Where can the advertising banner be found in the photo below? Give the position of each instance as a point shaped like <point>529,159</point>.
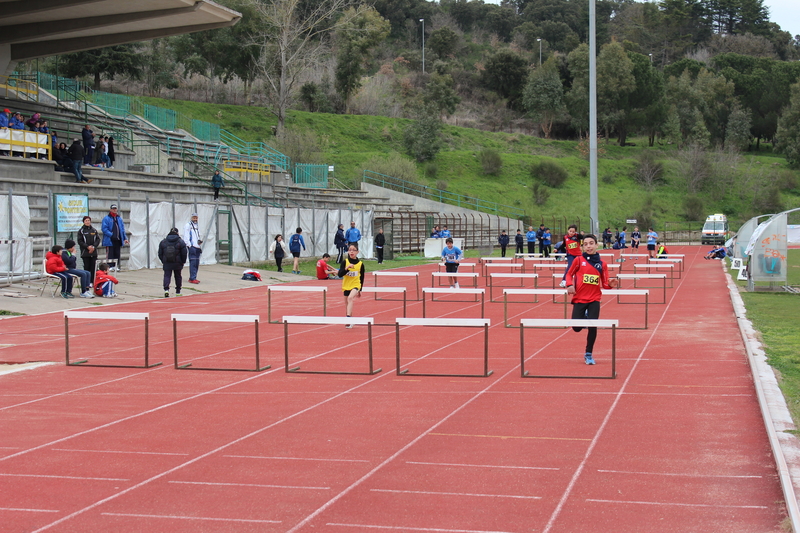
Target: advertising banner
<point>70,210</point>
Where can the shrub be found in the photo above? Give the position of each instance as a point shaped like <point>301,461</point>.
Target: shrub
<point>431,169</point>
<point>394,165</point>
<point>540,194</point>
<point>490,161</point>
<point>550,173</point>
<point>693,208</point>
<point>648,172</point>
<point>441,185</point>
<point>301,146</point>
<point>422,137</point>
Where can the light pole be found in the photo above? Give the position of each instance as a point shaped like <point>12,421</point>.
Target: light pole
<point>651,58</point>
<point>423,44</point>
<point>540,52</point>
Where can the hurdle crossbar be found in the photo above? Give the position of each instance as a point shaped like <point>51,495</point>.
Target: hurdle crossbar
<point>442,290</point>
<point>99,315</point>
<point>567,323</point>
<point>534,292</point>
<point>440,266</point>
<point>676,261</point>
<point>632,292</point>
<point>385,274</point>
<point>654,268</point>
<point>510,275</point>
<point>295,288</point>
<point>445,322</point>
<point>386,290</point>
<point>328,320</point>
<point>636,277</point>
<point>215,318</point>
<point>466,275</point>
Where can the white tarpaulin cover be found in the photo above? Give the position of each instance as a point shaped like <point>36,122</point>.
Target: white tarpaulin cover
<point>793,234</point>
<point>18,222</point>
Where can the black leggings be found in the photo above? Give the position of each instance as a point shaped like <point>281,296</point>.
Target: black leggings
<point>278,261</point>
<point>590,310</point>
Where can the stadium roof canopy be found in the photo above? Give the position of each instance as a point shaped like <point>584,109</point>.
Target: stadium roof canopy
<point>40,28</point>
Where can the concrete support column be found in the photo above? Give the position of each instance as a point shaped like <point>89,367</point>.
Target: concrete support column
<point>7,66</point>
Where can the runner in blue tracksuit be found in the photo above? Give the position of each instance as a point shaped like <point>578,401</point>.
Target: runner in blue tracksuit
<point>295,243</point>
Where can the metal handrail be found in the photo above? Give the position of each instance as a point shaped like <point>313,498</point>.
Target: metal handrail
<point>228,178</point>
<point>258,150</point>
<point>439,195</point>
<point>22,89</point>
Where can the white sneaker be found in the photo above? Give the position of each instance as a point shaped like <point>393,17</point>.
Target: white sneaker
<point>452,286</point>
<point>563,283</point>
<point>349,326</point>
<point>457,286</point>
<point>87,294</point>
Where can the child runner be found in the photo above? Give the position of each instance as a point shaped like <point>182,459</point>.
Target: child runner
<point>295,242</point>
<point>352,273</point>
<point>652,238</point>
<point>636,236</point>
<point>572,243</point>
<point>518,240</point>
<point>622,238</point>
<point>104,283</point>
<point>452,257</point>
<point>585,278</point>
<point>324,271</point>
<point>546,239</point>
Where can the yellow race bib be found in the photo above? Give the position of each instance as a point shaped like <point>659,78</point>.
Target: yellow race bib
<point>591,279</point>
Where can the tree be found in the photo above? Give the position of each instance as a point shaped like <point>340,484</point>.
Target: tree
<point>292,39</point>
<point>615,85</point>
<point>789,129</point>
<point>578,96</point>
<point>439,94</point>
<point>505,73</point>
<point>159,66</point>
<point>363,30</point>
<point>543,97</point>
<point>110,61</point>
<point>443,42</point>
<point>737,132</point>
<point>422,137</point>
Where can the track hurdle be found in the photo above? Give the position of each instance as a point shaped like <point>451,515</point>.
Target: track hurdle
<point>385,274</point>
<point>215,318</point>
<point>568,323</point>
<point>295,288</point>
<point>483,262</point>
<point>446,322</point>
<point>441,266</point>
<point>652,268</point>
<point>632,292</point>
<point>328,320</point>
<point>97,315</point>
<point>675,261</point>
<point>536,293</point>
<point>510,275</point>
<point>636,277</point>
<point>545,266</point>
<point>612,269</point>
<point>462,275</point>
<point>442,290</point>
<point>386,290</point>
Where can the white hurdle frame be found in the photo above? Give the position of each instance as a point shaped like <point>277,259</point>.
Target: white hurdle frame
<point>215,318</point>
<point>653,268</point>
<point>473,266</point>
<point>635,277</point>
<point>568,323</point>
<point>443,290</point>
<point>383,274</point>
<point>99,315</point>
<point>534,292</point>
<point>445,322</point>
<point>511,275</point>
<point>327,321</point>
<point>386,290</point>
<point>467,275</point>
<point>295,288</point>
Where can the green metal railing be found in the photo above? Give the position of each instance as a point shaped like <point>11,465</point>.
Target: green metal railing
<point>311,176</point>
<point>259,151</point>
<point>230,182</point>
<point>439,195</point>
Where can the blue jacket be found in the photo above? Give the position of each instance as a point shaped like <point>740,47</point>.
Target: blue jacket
<point>531,235</point>
<point>107,227</point>
<point>445,233</point>
<point>352,235</point>
<point>3,120</point>
<point>216,181</point>
<point>503,240</point>
<point>546,238</point>
<point>15,124</point>
<point>295,244</point>
<point>339,241</point>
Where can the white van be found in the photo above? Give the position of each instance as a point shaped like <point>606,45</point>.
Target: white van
<point>715,230</point>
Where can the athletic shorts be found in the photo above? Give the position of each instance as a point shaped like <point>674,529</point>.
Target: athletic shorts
<point>347,293</point>
<point>451,267</point>
<point>651,247</point>
<point>295,254</point>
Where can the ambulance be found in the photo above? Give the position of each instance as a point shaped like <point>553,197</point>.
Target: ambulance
<point>715,230</point>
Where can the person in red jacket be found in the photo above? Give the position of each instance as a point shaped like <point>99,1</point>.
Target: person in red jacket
<point>55,266</point>
<point>586,278</point>
<point>104,283</point>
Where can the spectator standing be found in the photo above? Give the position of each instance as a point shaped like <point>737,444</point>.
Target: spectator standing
<point>88,241</point>
<point>445,233</point>
<point>380,242</point>
<point>279,251</point>
<point>217,183</point>
<point>622,237</point>
<point>114,237</point>
<point>607,238</point>
<point>31,122</point>
<point>436,233</point>
<point>546,240</point>
<point>518,240</point>
<point>540,238</point>
<point>352,235</point>
<point>341,243</point>
<point>16,122</point>
<point>636,236</point>
<point>652,239</point>
<point>191,239</point>
<point>172,253</point>
<point>4,125</point>
<point>104,282</point>
<point>111,154</point>
<point>295,243</point>
<point>76,155</point>
<point>503,241</point>
<point>71,262</point>
<point>88,144</point>
<point>54,264</point>
<point>531,237</point>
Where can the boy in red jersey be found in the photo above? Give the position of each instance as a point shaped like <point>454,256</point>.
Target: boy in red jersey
<point>572,244</point>
<point>585,278</point>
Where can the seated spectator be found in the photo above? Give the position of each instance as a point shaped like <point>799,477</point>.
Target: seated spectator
<point>43,127</point>
<point>104,283</point>
<point>661,250</point>
<point>54,264</point>
<point>436,233</point>
<point>16,122</point>
<point>324,271</point>
<point>71,262</point>
<point>60,156</point>
<point>32,122</point>
<point>717,253</point>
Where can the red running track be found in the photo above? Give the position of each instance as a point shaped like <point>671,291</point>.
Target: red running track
<point>675,443</point>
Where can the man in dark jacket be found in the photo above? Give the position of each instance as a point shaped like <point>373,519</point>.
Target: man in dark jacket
<point>88,144</point>
<point>380,242</point>
<point>89,241</point>
<point>341,244</point>
<point>76,154</point>
<point>172,253</point>
<point>503,240</point>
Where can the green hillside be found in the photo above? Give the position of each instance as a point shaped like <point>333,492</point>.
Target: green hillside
<point>742,186</point>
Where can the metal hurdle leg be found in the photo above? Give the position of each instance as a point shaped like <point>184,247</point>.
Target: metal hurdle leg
<point>432,322</point>
<point>188,366</point>
<point>129,316</point>
<point>325,320</point>
<point>525,374</point>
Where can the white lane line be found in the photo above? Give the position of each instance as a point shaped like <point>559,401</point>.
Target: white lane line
<point>173,517</point>
<point>116,451</point>
<point>483,466</point>
<point>66,477</point>
<point>676,474</point>
<point>436,493</point>
<point>406,528</point>
<point>298,458</point>
<point>682,504</point>
<point>213,484</point>
<point>28,510</point>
